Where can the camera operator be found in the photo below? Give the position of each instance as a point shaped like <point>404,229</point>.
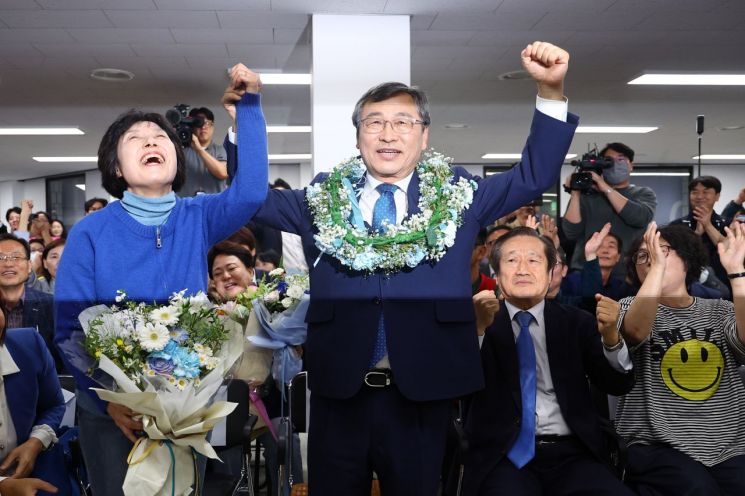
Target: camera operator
<point>612,198</point>
<point>206,161</point>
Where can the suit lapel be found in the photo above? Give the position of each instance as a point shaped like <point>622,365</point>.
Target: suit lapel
<point>506,352</point>
<point>557,349</point>
<point>412,196</point>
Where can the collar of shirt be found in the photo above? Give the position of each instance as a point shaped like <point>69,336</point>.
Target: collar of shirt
<point>7,364</point>
<point>536,311</point>
<point>370,195</point>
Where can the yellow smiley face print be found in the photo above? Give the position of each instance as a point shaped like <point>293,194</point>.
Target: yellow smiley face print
<point>693,369</point>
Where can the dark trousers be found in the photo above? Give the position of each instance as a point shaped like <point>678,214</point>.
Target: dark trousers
<point>659,470</point>
<point>378,430</point>
<point>562,468</point>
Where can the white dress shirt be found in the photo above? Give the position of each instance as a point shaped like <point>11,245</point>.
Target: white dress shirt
<point>549,419</point>
<point>8,439</point>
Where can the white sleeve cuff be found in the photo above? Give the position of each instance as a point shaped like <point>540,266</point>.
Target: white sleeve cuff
<point>231,135</point>
<point>553,108</point>
<point>619,359</point>
<point>45,434</point>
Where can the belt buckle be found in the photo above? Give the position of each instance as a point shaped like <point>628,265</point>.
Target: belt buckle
<point>375,374</point>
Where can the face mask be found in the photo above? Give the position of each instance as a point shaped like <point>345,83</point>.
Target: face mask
<point>617,174</point>
<point>34,256</point>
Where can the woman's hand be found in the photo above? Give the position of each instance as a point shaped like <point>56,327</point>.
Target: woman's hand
<point>24,456</point>
<point>732,249</point>
<point>25,487</point>
<point>122,417</point>
<point>242,80</point>
<point>652,240</point>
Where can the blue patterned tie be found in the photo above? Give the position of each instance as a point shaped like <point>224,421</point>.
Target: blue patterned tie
<point>524,448</point>
<point>384,212</point>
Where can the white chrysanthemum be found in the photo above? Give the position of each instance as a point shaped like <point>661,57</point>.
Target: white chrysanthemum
<point>198,302</point>
<point>277,272</point>
<point>272,296</point>
<point>153,337</point>
<point>287,302</point>
<point>212,362</point>
<point>165,315</point>
<point>295,291</point>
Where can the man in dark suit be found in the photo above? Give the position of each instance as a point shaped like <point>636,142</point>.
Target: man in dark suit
<point>26,306</point>
<point>388,349</point>
<point>533,430</point>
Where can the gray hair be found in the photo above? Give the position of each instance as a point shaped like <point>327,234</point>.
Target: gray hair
<point>385,91</point>
<point>549,251</point>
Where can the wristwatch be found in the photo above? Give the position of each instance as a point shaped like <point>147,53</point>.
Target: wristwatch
<point>607,191</point>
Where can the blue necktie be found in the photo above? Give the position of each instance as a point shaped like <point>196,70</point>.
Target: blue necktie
<point>524,448</point>
<point>384,212</point>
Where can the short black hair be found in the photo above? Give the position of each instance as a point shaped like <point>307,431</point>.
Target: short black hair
<point>549,250</point>
<point>89,203</point>
<point>388,90</point>
<point>686,243</point>
<point>280,183</point>
<point>707,182</point>
<point>202,111</point>
<point>269,256</point>
<point>244,236</point>
<point>229,248</point>
<point>51,246</point>
<point>20,241</point>
<point>500,227</point>
<point>10,211</point>
<point>108,160</point>
<point>480,237</point>
<point>619,148</point>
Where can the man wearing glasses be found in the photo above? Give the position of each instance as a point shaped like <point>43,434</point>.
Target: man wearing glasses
<point>24,306</point>
<point>628,208</point>
<point>391,330</point>
<point>206,169</point>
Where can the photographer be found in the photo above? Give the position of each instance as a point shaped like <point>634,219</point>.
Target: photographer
<point>206,162</point>
<point>611,198</point>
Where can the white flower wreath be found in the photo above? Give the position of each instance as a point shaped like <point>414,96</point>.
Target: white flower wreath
<point>423,236</point>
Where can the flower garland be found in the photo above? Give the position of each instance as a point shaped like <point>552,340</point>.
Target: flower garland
<point>423,236</point>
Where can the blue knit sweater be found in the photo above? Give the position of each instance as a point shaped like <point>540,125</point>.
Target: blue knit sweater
<point>109,250</point>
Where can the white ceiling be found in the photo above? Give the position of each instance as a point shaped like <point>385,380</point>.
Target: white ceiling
<point>179,50</point>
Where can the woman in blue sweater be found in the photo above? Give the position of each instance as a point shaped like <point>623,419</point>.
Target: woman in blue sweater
<point>149,244</point>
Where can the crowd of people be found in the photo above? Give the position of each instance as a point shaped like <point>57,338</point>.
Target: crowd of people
<point>653,316</point>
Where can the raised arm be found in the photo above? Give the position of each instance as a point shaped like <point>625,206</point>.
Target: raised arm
<point>732,257</point>
<point>637,323</point>
<point>227,211</point>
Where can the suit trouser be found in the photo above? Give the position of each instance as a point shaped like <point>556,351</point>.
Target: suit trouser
<point>659,470</point>
<point>377,430</point>
<point>562,468</point>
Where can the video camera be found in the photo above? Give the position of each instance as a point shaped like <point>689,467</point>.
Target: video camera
<point>184,125</point>
<point>591,161</point>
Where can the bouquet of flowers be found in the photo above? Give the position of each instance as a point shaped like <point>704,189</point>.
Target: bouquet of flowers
<point>167,362</point>
<point>278,313</point>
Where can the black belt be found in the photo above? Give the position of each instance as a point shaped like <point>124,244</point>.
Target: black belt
<point>553,439</point>
<point>379,378</point>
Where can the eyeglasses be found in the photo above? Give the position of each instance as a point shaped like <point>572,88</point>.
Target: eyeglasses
<point>375,125</point>
<point>12,258</point>
<point>207,123</point>
<point>642,256</point>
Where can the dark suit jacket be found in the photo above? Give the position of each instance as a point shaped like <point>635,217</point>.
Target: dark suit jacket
<point>38,312</point>
<point>34,398</point>
<point>429,317</point>
<point>574,354</point>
